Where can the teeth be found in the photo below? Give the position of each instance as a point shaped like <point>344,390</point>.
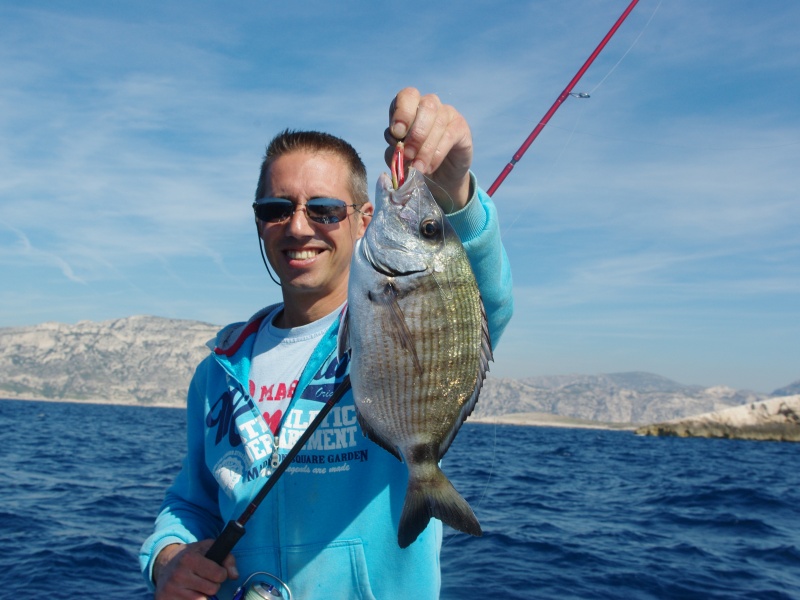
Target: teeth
<point>301,254</point>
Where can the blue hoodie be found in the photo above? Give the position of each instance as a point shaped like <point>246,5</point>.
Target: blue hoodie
<point>329,526</point>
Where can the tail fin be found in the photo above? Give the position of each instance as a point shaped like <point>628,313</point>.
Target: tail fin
<point>436,497</point>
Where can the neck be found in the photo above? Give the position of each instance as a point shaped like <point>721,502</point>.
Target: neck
<point>302,311</point>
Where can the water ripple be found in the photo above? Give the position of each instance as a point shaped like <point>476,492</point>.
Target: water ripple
<point>567,514</point>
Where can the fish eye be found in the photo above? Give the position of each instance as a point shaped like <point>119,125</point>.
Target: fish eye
<point>430,228</point>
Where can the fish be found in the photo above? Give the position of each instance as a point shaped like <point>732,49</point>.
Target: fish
<point>416,330</point>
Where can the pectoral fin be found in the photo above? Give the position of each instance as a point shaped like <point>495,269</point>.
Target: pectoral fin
<point>396,322</point>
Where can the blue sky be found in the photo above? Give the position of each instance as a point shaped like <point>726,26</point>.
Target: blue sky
<point>651,227</point>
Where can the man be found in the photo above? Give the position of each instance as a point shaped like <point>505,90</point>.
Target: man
<point>328,528</point>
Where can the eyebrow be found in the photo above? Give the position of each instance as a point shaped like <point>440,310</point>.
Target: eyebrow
<point>311,198</point>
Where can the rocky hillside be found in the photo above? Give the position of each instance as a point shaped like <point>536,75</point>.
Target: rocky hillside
<point>150,360</point>
<point>615,398</point>
<point>142,360</point>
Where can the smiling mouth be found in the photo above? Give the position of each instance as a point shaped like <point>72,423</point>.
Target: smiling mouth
<point>302,254</point>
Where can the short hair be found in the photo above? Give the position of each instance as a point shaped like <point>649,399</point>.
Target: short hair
<point>316,141</point>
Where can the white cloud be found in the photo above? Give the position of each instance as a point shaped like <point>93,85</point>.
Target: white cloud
<point>130,138</point>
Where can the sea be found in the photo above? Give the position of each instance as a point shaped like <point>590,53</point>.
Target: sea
<point>566,513</point>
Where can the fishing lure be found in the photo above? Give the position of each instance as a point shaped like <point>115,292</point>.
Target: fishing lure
<point>398,166</point>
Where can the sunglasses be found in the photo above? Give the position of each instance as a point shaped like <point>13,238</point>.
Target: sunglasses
<point>319,210</point>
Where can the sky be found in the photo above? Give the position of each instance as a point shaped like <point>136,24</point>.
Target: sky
<point>651,227</point>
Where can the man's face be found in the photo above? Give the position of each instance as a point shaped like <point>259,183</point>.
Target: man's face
<point>312,260</point>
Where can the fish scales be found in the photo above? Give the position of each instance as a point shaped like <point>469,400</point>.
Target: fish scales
<point>420,346</point>
<point>441,349</point>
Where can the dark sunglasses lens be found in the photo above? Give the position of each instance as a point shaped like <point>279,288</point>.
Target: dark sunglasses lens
<point>274,211</point>
<point>326,210</point>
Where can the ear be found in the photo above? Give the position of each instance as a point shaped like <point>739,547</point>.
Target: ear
<point>365,215</point>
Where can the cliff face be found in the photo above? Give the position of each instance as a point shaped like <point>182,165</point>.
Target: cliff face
<point>142,360</point>
<point>614,398</point>
<point>150,360</point>
<point>775,419</point>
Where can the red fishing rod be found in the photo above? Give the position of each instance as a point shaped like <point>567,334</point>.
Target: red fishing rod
<point>563,96</point>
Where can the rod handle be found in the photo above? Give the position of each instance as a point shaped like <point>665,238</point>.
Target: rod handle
<point>223,545</point>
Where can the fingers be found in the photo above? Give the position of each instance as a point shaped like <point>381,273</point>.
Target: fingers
<point>437,138</point>
<point>189,575</point>
<point>402,112</point>
<point>230,566</point>
<point>429,129</point>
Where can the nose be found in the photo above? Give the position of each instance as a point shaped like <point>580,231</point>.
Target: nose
<point>298,223</point>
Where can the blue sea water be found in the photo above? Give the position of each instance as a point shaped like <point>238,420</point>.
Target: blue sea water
<point>566,513</point>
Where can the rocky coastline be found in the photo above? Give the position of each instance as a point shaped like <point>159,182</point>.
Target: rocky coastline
<point>149,361</point>
<point>777,419</point>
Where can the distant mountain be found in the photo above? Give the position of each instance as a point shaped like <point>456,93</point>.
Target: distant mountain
<point>150,361</point>
<point>790,390</point>
<point>136,360</point>
<point>640,381</point>
<point>617,398</point>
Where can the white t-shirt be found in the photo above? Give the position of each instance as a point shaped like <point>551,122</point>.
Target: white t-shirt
<point>279,357</point>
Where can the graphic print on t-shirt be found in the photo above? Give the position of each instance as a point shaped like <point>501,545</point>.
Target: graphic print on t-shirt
<point>278,359</point>
<point>272,400</point>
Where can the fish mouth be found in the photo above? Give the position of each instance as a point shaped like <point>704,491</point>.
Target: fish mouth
<point>400,196</point>
<point>382,268</point>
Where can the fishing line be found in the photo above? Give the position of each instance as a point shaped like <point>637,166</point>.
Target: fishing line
<point>564,95</point>
<point>491,467</point>
<point>636,41</point>
<point>567,143</point>
<point>479,503</point>
<point>551,170</point>
<point>559,101</point>
<point>591,92</point>
<point>432,183</point>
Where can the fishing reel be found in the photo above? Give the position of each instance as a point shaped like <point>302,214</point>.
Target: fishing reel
<point>262,590</point>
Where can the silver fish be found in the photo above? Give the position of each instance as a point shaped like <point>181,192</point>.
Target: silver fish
<point>420,346</point>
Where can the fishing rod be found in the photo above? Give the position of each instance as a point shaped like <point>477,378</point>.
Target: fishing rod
<point>559,101</point>
<point>234,530</point>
